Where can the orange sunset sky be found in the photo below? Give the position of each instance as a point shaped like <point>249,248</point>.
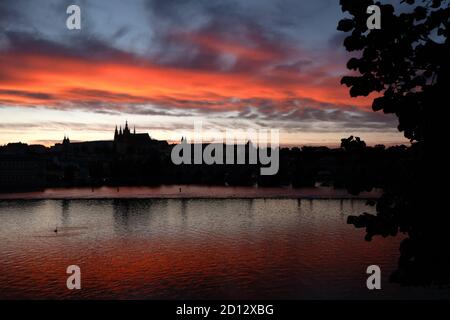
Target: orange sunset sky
<point>162,65</point>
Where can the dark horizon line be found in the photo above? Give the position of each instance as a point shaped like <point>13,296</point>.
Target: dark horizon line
<point>172,142</point>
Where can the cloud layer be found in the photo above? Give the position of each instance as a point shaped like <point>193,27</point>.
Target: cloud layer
<point>270,63</point>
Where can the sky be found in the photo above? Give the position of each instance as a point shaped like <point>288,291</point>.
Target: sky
<point>162,65</point>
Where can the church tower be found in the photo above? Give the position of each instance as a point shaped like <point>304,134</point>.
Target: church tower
<point>66,140</point>
<point>126,131</point>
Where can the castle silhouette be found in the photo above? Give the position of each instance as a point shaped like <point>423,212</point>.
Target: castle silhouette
<point>125,142</point>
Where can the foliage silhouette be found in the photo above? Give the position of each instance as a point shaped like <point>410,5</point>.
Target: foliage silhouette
<point>405,65</point>
<point>406,62</point>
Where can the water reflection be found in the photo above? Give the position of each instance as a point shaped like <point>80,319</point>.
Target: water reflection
<point>197,248</point>
<point>65,212</point>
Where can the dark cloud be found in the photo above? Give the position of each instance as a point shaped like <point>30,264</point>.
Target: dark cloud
<point>78,47</point>
<point>295,66</point>
<point>258,26</point>
<point>98,95</point>
<point>27,94</point>
<point>9,13</point>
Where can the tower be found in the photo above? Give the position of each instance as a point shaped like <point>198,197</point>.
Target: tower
<point>66,140</point>
<point>126,131</point>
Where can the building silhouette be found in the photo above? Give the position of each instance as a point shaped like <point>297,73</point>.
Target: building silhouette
<point>127,142</point>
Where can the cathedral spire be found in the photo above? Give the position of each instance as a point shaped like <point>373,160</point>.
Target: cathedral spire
<point>126,131</point>
<point>66,139</point>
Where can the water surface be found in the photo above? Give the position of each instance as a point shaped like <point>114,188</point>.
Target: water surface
<point>193,249</point>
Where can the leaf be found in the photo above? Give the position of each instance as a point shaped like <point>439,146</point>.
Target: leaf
<point>436,4</point>
<point>348,80</point>
<point>420,13</point>
<point>346,25</point>
<point>353,64</point>
<point>355,42</point>
<point>377,104</point>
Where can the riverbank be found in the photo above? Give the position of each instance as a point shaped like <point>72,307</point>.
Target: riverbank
<point>189,192</point>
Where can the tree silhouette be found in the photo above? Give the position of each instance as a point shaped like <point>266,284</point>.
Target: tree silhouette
<point>352,143</point>
<point>406,64</point>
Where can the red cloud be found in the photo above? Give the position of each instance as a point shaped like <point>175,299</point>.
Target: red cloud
<point>58,81</point>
